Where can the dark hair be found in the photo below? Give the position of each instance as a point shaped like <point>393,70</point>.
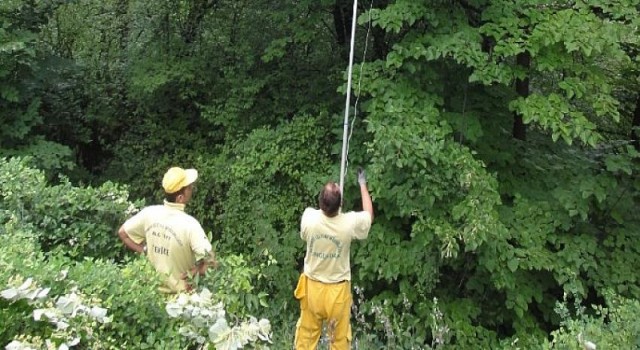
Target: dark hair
<point>171,197</point>
<point>330,199</point>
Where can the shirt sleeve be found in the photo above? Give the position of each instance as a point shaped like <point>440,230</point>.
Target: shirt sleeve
<point>304,223</point>
<point>361,224</point>
<point>134,227</point>
<point>200,244</point>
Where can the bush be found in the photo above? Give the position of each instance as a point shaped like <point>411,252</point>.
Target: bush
<point>80,222</point>
<point>612,326</point>
<point>98,304</point>
<point>128,293</point>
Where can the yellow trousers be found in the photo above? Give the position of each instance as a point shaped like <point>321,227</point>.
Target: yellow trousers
<point>323,302</point>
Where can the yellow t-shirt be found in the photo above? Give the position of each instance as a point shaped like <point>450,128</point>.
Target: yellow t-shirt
<point>329,243</point>
<point>175,241</point>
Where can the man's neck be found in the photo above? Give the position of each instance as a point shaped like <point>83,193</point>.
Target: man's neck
<point>330,215</point>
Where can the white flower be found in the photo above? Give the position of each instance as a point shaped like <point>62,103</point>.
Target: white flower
<point>62,325</point>
<point>218,329</point>
<point>206,294</point>
<point>9,294</point>
<point>16,345</point>
<point>48,313</point>
<point>69,304</point>
<point>98,313</point>
<point>265,330</point>
<point>174,310</point>
<point>36,294</point>
<point>26,284</point>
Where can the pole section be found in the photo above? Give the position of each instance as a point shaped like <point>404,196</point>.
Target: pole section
<point>348,102</point>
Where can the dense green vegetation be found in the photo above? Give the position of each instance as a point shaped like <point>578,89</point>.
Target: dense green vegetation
<point>500,140</point>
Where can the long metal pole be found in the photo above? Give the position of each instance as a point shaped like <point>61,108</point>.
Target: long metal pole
<point>348,102</point>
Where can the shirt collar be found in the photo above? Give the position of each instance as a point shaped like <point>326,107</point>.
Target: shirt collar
<point>178,206</point>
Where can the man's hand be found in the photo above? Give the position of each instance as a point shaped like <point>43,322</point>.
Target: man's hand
<point>362,179</point>
<point>367,205</point>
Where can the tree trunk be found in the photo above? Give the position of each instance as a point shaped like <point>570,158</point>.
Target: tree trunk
<point>342,13</point>
<point>522,88</point>
<point>342,19</point>
<point>380,44</point>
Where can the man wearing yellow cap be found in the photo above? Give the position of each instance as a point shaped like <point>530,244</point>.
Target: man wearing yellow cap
<point>324,288</point>
<point>173,240</point>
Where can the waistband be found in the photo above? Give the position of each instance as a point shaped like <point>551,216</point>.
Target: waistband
<point>315,280</point>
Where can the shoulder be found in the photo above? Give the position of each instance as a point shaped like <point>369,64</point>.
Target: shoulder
<point>359,216</point>
<point>310,217</point>
<point>145,212</point>
<point>151,209</point>
<point>310,213</point>
<point>191,221</point>
<point>356,214</point>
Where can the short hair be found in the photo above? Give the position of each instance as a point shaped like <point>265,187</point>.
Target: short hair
<point>330,199</point>
<point>171,197</point>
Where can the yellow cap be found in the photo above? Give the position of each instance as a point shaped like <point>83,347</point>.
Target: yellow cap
<point>176,178</point>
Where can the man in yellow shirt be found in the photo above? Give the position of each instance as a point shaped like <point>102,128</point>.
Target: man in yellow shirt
<point>173,240</point>
<point>324,288</point>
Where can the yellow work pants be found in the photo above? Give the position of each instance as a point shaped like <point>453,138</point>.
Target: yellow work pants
<point>328,302</point>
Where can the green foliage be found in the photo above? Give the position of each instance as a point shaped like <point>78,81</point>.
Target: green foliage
<point>398,330</point>
<point>270,182</point>
<point>73,315</point>
<point>497,229</point>
<point>45,155</point>
<point>518,221</point>
<point>266,181</point>
<point>551,112</point>
<point>19,254</point>
<point>19,108</point>
<point>233,283</point>
<point>129,293</point>
<point>79,221</point>
<point>21,69</point>
<point>568,44</point>
<point>608,326</point>
<point>205,322</point>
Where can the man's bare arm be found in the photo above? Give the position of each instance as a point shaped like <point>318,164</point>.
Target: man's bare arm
<point>367,205</point>
<point>124,237</point>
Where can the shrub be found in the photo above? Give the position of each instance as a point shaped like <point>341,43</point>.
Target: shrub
<point>78,221</point>
<point>98,304</point>
<point>614,325</point>
<point>127,292</point>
